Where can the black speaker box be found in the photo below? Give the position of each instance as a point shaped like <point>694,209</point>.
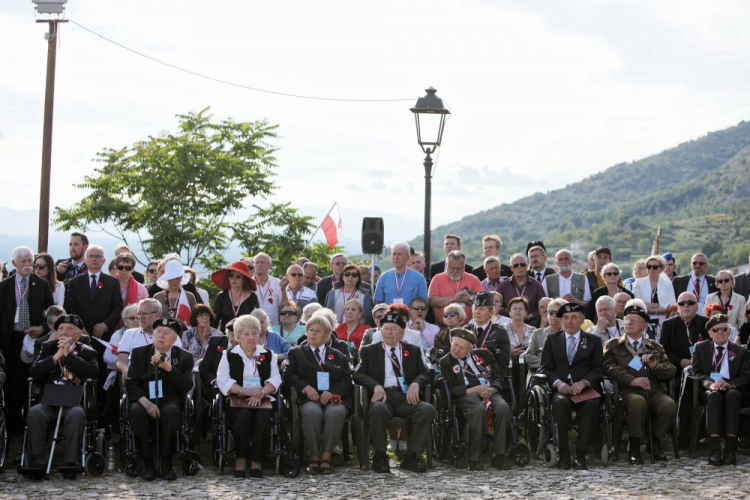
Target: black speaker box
<point>372,235</point>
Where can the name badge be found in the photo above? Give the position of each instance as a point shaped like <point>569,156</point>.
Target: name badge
<point>324,381</point>
<point>484,381</point>
<point>153,392</point>
<point>691,350</point>
<point>251,383</point>
<point>636,363</point>
<point>715,376</point>
<point>402,383</point>
<point>398,300</point>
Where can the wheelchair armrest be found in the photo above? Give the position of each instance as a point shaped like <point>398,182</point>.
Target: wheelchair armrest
<point>427,394</point>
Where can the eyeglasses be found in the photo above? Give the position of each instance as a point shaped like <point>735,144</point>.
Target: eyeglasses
<point>288,313</point>
<point>696,263</point>
<point>551,313</point>
<point>450,314</point>
<point>519,264</point>
<point>339,263</point>
<point>684,303</point>
<point>351,275</point>
<point>295,275</point>
<point>151,270</point>
<point>124,268</point>
<point>634,320</point>
<point>40,266</point>
<point>419,308</point>
<point>131,318</point>
<point>144,314</point>
<point>94,256</point>
<point>653,266</point>
<point>719,330</point>
<point>725,280</point>
<point>612,274</point>
<point>235,276</point>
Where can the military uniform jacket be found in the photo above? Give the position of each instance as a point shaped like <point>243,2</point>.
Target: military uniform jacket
<point>497,341</point>
<point>587,362</point>
<point>371,370</point>
<point>176,383</point>
<point>80,363</point>
<point>739,364</point>
<point>618,353</point>
<point>302,370</point>
<point>450,369</point>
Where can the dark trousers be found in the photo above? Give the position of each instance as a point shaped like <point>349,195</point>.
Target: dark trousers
<point>71,428</point>
<point>588,419</point>
<point>663,409</point>
<point>16,386</point>
<point>722,411</point>
<point>420,415</point>
<point>251,427</point>
<point>169,423</point>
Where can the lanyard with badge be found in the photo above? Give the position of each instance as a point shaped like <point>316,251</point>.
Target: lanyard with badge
<point>398,299</point>
<point>636,363</point>
<point>154,391</point>
<point>717,365</point>
<point>482,380</point>
<point>323,377</point>
<point>396,368</point>
<point>251,382</point>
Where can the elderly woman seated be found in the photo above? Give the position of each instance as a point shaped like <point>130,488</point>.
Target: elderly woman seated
<point>195,339</point>
<point>268,338</point>
<point>323,380</point>
<point>249,373</point>
<point>453,317</point>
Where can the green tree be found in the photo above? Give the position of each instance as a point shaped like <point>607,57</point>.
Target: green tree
<point>320,254</point>
<point>176,191</point>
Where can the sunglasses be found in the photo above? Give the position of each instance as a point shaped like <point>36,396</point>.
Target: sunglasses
<point>235,276</point>
<point>653,266</point>
<point>288,313</point>
<point>124,268</point>
<point>684,303</point>
<point>519,264</point>
<point>725,280</point>
<point>351,275</point>
<point>151,271</point>
<point>612,274</point>
<point>551,313</point>
<point>450,315</point>
<point>40,266</point>
<point>700,263</point>
<point>250,268</point>
<point>295,275</point>
<point>419,308</point>
<point>719,330</point>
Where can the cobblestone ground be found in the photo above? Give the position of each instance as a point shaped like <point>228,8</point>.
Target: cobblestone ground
<point>684,478</point>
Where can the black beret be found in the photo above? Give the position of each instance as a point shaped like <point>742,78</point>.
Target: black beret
<point>714,320</point>
<point>463,333</point>
<point>536,243</point>
<point>169,323</point>
<point>637,310</point>
<point>394,318</point>
<point>71,319</point>
<point>485,299</point>
<point>570,307</point>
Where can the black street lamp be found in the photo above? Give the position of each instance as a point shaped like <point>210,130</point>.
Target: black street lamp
<point>430,115</point>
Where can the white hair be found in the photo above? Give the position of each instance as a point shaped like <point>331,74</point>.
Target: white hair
<point>263,254</point>
<point>562,251</point>
<point>19,251</point>
<point>402,245</point>
<point>513,257</point>
<point>94,247</point>
<point>605,299</point>
<point>258,313</point>
<point>309,310</point>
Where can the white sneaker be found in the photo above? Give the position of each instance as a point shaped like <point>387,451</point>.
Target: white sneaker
<point>393,445</point>
<point>402,446</point>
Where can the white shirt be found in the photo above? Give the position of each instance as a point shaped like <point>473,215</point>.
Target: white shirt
<point>724,362</point>
<point>269,298</point>
<point>412,337</point>
<point>136,337</point>
<point>321,353</point>
<point>564,285</point>
<point>301,297</point>
<point>639,340</point>
<point>390,374</point>
<point>225,382</point>
<point>577,336</point>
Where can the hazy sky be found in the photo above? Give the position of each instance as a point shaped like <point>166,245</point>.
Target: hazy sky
<point>543,93</point>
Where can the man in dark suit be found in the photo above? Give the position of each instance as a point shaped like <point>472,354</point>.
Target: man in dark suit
<point>537,254</point>
<point>394,374</point>
<point>742,283</point>
<point>95,296</point>
<point>723,369</point>
<point>23,299</point>
<point>67,269</point>
<point>572,362</point>
<point>680,332</point>
<point>489,335</point>
<point>697,282</point>
<point>69,360</point>
<point>325,285</point>
<point>450,242</point>
<point>491,245</point>
<point>147,400</point>
<point>474,376</point>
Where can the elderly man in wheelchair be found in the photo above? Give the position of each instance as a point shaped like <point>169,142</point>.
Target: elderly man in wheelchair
<point>64,362</point>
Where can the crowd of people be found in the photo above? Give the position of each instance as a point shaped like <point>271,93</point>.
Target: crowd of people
<point>75,320</point>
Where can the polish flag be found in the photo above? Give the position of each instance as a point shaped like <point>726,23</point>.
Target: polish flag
<point>332,226</point>
<point>183,309</point>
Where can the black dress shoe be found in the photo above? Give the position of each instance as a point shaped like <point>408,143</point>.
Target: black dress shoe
<point>475,465</point>
<point>380,463</point>
<point>412,462</point>
<point>149,470</point>
<point>239,473</point>
<point>634,455</point>
<point>657,453</point>
<point>580,463</point>
<point>501,462</point>
<point>256,473</point>
<point>564,461</point>
<point>715,458</point>
<point>167,472</point>
<point>730,451</point>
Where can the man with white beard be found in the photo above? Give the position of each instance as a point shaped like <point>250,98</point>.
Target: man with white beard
<point>566,284</point>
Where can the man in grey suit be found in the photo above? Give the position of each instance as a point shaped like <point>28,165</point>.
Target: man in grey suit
<point>565,283</point>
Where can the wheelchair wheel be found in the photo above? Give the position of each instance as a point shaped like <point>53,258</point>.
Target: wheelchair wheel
<point>550,456</point>
<point>190,466</point>
<point>536,434</point>
<point>459,454</point>
<point>3,438</point>
<point>95,464</point>
<point>520,455</point>
<point>438,426</point>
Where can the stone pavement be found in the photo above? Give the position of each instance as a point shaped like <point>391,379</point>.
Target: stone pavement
<point>684,478</point>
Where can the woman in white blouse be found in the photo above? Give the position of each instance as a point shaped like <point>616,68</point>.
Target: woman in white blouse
<point>655,289</point>
<point>249,373</point>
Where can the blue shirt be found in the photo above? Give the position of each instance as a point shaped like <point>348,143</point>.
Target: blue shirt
<point>392,285</point>
<point>294,335</point>
<point>277,344</point>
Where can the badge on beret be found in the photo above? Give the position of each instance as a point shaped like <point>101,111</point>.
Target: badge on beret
<point>71,319</point>
<point>716,319</point>
<point>571,307</point>
<point>484,299</point>
<point>169,323</point>
<point>394,318</point>
<point>638,311</point>
<point>463,333</point>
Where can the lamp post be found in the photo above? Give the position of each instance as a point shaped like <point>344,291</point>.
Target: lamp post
<point>430,115</point>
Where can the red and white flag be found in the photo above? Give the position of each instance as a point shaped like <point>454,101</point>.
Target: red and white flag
<point>183,309</point>
<point>332,226</point>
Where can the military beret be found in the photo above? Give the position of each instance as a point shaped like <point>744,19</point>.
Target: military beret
<point>638,311</point>
<point>668,256</point>
<point>394,318</point>
<point>570,307</point>
<point>169,323</point>
<point>535,243</point>
<point>714,320</point>
<point>484,299</point>
<point>463,333</point>
<point>70,319</point>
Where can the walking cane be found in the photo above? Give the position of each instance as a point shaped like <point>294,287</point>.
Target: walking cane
<point>158,415</point>
<point>648,419</point>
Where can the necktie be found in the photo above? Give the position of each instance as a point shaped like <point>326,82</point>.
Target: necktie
<point>539,276</point>
<point>635,346</point>
<point>317,356</point>
<point>93,286</point>
<point>697,288</point>
<point>571,349</point>
<point>719,358</point>
<point>396,364</point>
<point>23,306</point>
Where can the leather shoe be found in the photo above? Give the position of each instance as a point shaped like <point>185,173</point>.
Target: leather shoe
<point>412,462</point>
<point>149,470</point>
<point>380,463</point>
<point>715,458</point>
<point>167,472</point>
<point>256,473</point>
<point>564,461</point>
<point>475,465</point>
<point>730,458</point>
<point>500,462</point>
<point>634,455</point>
<point>580,463</point>
<point>239,473</point>
<point>657,453</point>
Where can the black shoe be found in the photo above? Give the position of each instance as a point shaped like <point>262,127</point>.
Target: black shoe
<point>500,462</point>
<point>714,457</point>
<point>256,473</point>
<point>167,472</point>
<point>580,463</point>
<point>380,462</point>
<point>657,453</point>
<point>149,470</point>
<point>475,465</point>
<point>634,452</point>
<point>564,460</point>
<point>239,473</point>
<point>412,462</point>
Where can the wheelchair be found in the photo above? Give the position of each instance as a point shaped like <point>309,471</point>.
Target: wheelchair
<point>281,450</point>
<point>541,429</point>
<point>133,465</point>
<point>4,442</point>
<point>93,441</point>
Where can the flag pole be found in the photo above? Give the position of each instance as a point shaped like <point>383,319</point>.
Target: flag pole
<point>317,229</point>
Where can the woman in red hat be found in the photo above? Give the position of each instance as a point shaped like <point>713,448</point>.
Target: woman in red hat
<point>237,297</point>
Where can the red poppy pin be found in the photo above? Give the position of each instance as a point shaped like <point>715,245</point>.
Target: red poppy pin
<point>456,369</point>
<point>732,355</point>
<point>335,399</point>
<point>261,357</point>
<point>220,349</point>
<point>331,357</point>
<point>484,346</point>
<point>407,353</point>
<point>729,307</point>
<point>101,285</point>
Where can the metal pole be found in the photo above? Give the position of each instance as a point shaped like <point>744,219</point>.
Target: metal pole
<point>427,207</point>
<point>49,104</point>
